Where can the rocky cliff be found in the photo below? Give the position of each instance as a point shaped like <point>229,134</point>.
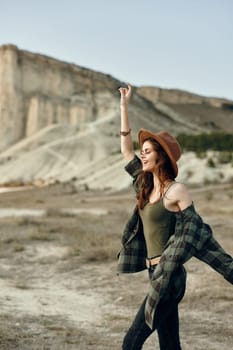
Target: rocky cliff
<point>61,121</point>
<point>36,91</point>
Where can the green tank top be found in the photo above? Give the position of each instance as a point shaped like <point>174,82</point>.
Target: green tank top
<point>158,225</point>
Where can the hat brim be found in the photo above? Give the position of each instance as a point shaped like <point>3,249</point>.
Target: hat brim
<point>144,134</point>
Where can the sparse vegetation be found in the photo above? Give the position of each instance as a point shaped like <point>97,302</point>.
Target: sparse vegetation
<point>40,236</point>
<point>201,154</point>
<point>211,163</point>
<point>135,145</point>
<point>217,141</point>
<point>22,285</point>
<point>18,248</point>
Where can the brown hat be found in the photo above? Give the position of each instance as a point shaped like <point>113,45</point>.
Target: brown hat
<point>169,144</point>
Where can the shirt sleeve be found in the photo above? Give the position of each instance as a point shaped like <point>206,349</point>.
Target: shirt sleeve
<point>134,168</point>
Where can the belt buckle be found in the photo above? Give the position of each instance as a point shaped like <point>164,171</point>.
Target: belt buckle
<point>148,263</point>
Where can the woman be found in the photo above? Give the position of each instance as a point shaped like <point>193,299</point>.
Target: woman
<point>162,234</point>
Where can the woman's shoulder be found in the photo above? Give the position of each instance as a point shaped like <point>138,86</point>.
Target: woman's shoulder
<point>178,195</point>
<point>175,187</point>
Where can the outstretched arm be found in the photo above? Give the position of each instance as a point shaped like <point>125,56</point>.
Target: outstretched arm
<point>126,140</point>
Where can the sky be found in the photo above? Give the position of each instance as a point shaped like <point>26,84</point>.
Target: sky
<point>183,44</point>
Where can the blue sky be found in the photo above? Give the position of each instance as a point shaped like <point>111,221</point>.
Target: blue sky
<point>173,44</point>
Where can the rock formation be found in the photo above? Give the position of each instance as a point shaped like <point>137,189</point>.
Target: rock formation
<point>60,121</point>
<point>37,91</point>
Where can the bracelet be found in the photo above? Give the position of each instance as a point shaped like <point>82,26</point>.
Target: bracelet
<point>125,133</point>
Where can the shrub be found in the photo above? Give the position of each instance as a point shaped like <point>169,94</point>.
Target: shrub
<point>135,145</point>
<point>218,141</point>
<point>210,163</point>
<point>201,154</point>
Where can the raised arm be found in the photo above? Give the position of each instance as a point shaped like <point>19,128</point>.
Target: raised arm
<point>126,140</point>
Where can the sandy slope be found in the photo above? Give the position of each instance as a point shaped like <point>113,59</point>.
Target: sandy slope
<point>89,156</point>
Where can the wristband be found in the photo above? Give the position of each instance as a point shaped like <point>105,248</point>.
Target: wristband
<point>125,133</point>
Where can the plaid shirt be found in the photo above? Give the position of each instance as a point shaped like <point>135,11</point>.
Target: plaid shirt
<point>192,237</point>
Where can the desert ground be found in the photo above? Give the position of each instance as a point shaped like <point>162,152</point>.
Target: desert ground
<point>59,288</point>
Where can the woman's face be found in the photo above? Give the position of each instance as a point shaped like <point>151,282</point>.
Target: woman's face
<point>149,157</point>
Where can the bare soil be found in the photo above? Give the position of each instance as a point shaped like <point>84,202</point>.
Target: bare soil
<point>58,283</point>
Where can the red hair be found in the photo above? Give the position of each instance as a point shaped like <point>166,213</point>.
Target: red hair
<point>145,179</point>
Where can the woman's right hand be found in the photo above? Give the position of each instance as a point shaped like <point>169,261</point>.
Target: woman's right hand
<point>125,95</point>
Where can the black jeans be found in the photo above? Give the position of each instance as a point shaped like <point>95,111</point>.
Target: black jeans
<point>166,323</point>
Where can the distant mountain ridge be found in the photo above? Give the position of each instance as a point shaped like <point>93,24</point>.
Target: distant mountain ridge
<point>61,121</point>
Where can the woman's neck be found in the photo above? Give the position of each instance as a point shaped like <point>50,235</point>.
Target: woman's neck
<point>156,182</point>
<point>158,185</point>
